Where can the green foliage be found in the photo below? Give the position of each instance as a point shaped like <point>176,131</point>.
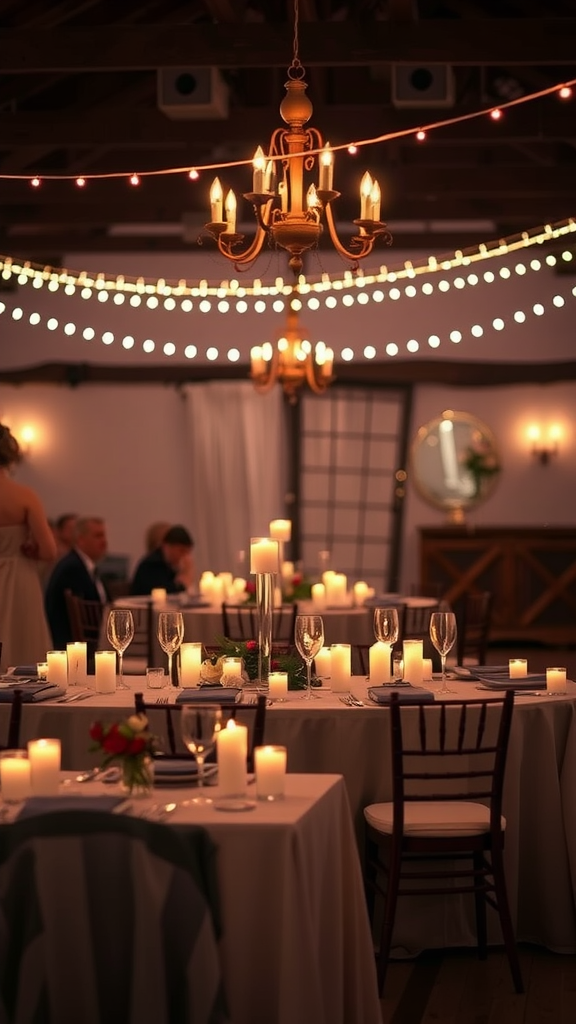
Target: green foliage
<point>248,651</point>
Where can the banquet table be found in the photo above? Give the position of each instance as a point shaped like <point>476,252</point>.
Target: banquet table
<point>295,942</point>
<point>325,736</point>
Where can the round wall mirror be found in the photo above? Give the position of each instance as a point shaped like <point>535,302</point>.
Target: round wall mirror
<point>455,462</point>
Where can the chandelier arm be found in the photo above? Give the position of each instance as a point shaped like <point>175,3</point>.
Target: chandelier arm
<point>253,250</point>
<point>365,242</point>
<point>266,381</point>
<point>315,385</point>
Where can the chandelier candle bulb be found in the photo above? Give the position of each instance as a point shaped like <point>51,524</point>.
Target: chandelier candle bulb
<point>325,179</point>
<point>556,680</point>
<point>216,197</point>
<point>278,685</point>
<point>365,193</point>
<point>518,668</point>
<point>380,657</point>
<point>259,172</point>
<point>270,770</point>
<point>318,593</point>
<point>231,752</point>
<point>323,662</point>
<point>44,757</point>
<point>58,668</point>
<point>413,661</point>
<point>264,555</point>
<point>230,210</point>
<point>76,657</point>
<point>190,662</point>
<point>340,667</point>
<point>105,662</point>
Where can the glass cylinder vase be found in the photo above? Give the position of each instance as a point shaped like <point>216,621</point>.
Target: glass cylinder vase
<point>265,607</point>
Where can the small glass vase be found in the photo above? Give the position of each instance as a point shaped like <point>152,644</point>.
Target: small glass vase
<point>137,775</point>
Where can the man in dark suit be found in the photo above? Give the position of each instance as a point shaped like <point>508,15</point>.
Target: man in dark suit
<point>76,571</point>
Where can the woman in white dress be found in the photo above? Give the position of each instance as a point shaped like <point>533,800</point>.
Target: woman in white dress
<point>25,537</point>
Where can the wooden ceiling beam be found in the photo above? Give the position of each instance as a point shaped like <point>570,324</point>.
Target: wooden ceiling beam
<point>501,41</point>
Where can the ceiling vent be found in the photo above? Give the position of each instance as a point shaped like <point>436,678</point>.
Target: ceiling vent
<point>192,94</point>
<point>422,85</point>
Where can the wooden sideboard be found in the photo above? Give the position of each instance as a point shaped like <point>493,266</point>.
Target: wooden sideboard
<point>531,571</point>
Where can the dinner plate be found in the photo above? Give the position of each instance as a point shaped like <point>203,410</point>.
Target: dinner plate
<point>180,772</point>
<point>233,804</point>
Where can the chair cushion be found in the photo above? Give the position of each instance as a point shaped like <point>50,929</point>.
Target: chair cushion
<point>438,818</point>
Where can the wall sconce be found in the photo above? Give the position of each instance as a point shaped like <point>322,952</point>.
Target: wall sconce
<point>26,438</point>
<point>544,442</point>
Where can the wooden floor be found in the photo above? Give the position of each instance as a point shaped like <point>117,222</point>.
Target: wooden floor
<point>454,987</point>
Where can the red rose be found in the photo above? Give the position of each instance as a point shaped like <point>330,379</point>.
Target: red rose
<point>96,732</point>
<point>297,579</point>
<point>250,587</point>
<point>275,666</point>
<point>114,742</point>
<point>251,645</point>
<point>136,746</point>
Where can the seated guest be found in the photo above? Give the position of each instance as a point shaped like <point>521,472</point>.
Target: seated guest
<point>154,536</point>
<point>76,571</point>
<point>170,566</point>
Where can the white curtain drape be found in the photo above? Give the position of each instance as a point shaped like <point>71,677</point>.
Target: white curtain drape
<point>237,444</point>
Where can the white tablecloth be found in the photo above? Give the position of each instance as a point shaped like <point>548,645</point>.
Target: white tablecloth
<point>325,736</point>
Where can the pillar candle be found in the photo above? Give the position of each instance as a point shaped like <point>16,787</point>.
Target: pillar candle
<point>190,662</point>
<point>318,595</point>
<point>278,685</point>
<point>413,661</point>
<point>270,768</point>
<point>323,662</point>
<point>427,669</point>
<point>281,529</point>
<point>105,662</point>
<point>44,757</point>
<point>336,589</point>
<point>15,776</point>
<point>287,572</point>
<point>158,595</point>
<point>58,668</point>
<point>380,656</point>
<point>216,593</point>
<point>555,680</point>
<point>232,672</point>
<point>518,668</point>
<point>205,585</point>
<point>340,666</point>
<point>232,748</point>
<point>226,580</point>
<point>360,592</point>
<point>76,658</point>
<point>264,555</point>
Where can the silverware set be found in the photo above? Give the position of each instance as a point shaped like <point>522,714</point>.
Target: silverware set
<point>162,700</point>
<point>351,701</point>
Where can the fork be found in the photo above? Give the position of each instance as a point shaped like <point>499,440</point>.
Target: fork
<point>162,700</point>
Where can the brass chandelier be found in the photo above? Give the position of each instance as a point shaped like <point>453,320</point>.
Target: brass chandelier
<point>285,215</point>
<point>292,361</point>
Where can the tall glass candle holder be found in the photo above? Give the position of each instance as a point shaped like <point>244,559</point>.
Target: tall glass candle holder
<point>264,563</point>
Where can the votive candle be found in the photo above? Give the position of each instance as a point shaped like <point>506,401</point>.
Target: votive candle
<point>15,776</point>
<point>427,669</point>
<point>278,685</point>
<point>44,757</point>
<point>190,662</point>
<point>270,769</point>
<point>158,595</point>
<point>556,680</point>
<point>518,668</point>
<point>264,555</point>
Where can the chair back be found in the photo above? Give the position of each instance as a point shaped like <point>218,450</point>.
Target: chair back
<point>61,959</point>
<point>164,724</point>
<point>474,618</point>
<point>85,618</point>
<point>13,734</point>
<point>240,622</point>
<point>450,750</point>
<point>415,620</point>
<point>140,652</point>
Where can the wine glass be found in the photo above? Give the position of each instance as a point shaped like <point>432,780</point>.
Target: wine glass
<point>199,727</point>
<point>309,638</point>
<point>386,630</point>
<point>170,635</point>
<point>443,636</point>
<point>120,633</point>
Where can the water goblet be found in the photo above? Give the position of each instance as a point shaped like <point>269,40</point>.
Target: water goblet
<point>309,638</point>
<point>170,635</point>
<point>443,636</point>
<point>199,727</point>
<point>120,633</point>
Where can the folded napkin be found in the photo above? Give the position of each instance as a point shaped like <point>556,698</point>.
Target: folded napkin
<point>174,766</point>
<point>32,693</point>
<point>407,694</point>
<point>533,681</point>
<point>36,805</point>
<point>210,695</point>
<point>475,671</point>
<point>23,670</point>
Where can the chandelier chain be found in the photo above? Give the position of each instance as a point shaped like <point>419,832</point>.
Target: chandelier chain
<point>296,70</point>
